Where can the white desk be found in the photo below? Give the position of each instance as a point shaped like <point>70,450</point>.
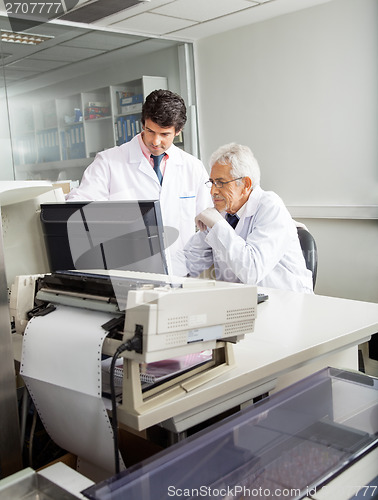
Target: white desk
<point>295,335</point>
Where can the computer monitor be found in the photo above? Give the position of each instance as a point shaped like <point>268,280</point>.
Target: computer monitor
<point>126,235</point>
<point>23,245</point>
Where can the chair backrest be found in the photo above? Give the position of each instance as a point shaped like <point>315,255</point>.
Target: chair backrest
<point>310,251</point>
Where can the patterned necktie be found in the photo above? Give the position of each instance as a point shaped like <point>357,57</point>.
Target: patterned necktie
<point>157,161</point>
<point>232,220</point>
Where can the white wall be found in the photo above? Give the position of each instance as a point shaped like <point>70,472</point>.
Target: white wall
<point>301,91</point>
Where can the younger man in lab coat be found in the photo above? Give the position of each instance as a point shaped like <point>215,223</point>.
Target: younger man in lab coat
<point>259,243</point>
<point>127,172</point>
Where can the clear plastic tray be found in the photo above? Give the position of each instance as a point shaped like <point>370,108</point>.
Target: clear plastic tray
<point>282,447</point>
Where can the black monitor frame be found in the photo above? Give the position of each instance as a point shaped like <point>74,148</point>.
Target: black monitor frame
<point>127,235</point>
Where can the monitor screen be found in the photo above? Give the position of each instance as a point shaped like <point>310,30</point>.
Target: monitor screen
<point>126,235</point>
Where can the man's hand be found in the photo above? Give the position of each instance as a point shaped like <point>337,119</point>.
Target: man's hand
<point>208,218</point>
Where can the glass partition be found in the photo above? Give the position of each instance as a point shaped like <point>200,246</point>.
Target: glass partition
<point>7,169</point>
<point>69,91</point>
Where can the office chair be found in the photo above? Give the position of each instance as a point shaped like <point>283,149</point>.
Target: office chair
<point>310,252</point>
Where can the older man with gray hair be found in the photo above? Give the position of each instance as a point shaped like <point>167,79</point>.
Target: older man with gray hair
<point>249,234</point>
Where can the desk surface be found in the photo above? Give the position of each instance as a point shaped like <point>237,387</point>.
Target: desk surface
<point>291,330</point>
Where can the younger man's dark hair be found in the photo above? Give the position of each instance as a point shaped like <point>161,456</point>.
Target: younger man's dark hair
<point>165,108</point>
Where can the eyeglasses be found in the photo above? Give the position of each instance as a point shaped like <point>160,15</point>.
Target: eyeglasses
<point>220,184</point>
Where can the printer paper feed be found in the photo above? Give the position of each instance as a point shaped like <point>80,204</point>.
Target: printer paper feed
<point>61,363</point>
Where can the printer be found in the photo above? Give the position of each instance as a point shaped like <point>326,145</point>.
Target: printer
<point>68,322</point>
<point>78,318</point>
<point>175,315</point>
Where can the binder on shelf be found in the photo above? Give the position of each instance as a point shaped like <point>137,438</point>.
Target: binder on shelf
<point>120,130</point>
<point>48,145</point>
<point>132,124</point>
<point>136,124</point>
<point>131,108</point>
<point>25,151</point>
<point>125,135</point>
<point>127,127</point>
<point>73,144</point>
<point>129,100</point>
<point>64,144</point>
<point>77,149</point>
<point>68,139</point>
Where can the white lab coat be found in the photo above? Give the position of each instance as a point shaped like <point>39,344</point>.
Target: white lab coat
<point>124,173</point>
<point>263,249</point>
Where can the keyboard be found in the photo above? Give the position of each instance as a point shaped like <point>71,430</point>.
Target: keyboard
<point>262,297</point>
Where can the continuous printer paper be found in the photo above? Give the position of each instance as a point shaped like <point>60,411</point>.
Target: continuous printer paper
<point>61,366</point>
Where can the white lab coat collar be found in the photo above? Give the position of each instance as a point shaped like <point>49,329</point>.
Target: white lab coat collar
<point>241,210</point>
<point>250,207</point>
<point>136,154</point>
<point>174,155</point>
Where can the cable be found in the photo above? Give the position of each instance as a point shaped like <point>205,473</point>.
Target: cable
<point>24,414</point>
<point>134,344</point>
<point>31,438</point>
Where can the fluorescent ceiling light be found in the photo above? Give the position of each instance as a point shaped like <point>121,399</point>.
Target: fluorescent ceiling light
<point>24,38</point>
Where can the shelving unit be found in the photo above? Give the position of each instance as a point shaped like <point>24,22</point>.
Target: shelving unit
<point>98,133</point>
<point>71,128</point>
<point>23,141</point>
<point>127,100</point>
<point>47,136</point>
<point>46,132</point>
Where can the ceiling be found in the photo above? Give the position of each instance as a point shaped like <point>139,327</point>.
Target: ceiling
<point>148,26</point>
<point>194,19</point>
